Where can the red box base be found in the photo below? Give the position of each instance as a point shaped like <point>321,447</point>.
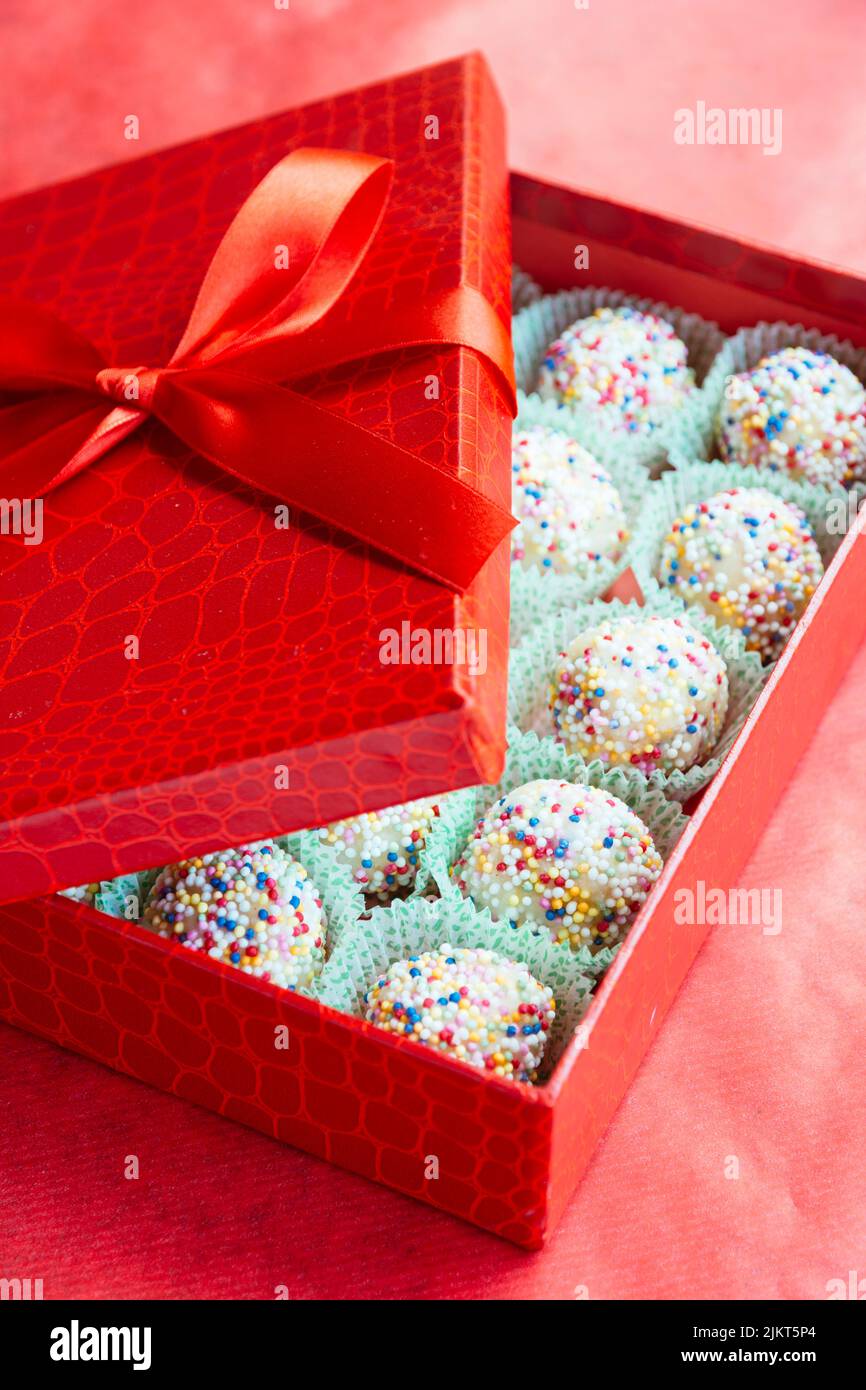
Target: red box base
<point>508,1156</point>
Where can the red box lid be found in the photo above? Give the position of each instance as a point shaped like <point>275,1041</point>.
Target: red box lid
<point>258,701</point>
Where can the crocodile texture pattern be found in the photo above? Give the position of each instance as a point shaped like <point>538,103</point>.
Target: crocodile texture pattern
<point>340,1089</point>
<point>170,658</point>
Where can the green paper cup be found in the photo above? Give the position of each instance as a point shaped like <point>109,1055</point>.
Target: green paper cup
<point>530,757</point>
<point>342,902</point>
<point>533,665</point>
<point>124,898</point>
<point>417,925</point>
<point>524,290</point>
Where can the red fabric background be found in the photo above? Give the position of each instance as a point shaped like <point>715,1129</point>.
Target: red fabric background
<point>761,1059</point>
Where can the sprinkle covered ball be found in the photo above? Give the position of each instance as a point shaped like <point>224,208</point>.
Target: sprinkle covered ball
<point>86,893</point>
<point>560,857</point>
<point>747,557</point>
<point>472,1004</point>
<point>628,366</point>
<point>382,848</point>
<point>254,908</point>
<point>569,512</point>
<point>650,693</point>
<point>800,413</point>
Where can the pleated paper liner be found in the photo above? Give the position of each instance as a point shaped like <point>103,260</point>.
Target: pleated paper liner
<point>417,925</point>
<point>524,290</point>
<point>124,898</point>
<point>538,324</point>
<point>826,508</point>
<point>533,665</point>
<point>321,853</point>
<point>535,590</point>
<point>342,902</point>
<point>528,758</point>
<point>689,439</point>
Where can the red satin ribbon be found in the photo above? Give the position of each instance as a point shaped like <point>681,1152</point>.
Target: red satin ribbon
<point>253,326</point>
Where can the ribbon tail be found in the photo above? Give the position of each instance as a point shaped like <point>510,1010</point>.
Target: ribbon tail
<point>330,468</point>
<point>39,352</point>
<point>40,438</point>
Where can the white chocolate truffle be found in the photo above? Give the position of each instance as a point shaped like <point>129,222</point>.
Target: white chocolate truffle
<point>382,848</point>
<point>800,413</point>
<point>570,514</point>
<point>629,367</point>
<point>255,908</point>
<point>86,893</point>
<point>749,559</point>
<point>648,692</point>
<point>563,858</point>
<point>474,1005</point>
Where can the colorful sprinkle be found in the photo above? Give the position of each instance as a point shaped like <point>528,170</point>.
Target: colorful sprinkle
<point>254,908</point>
<point>382,848</point>
<point>87,893</point>
<point>560,857</point>
<point>630,367</point>
<point>650,693</point>
<point>749,559</point>
<point>800,413</point>
<point>474,1005</point>
<point>570,514</point>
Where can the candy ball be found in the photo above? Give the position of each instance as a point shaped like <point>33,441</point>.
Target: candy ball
<point>86,893</point>
<point>647,692</point>
<point>800,413</point>
<point>381,848</point>
<point>255,908</point>
<point>629,367</point>
<point>563,858</point>
<point>570,514</point>
<point>472,1004</point>
<point>749,559</point>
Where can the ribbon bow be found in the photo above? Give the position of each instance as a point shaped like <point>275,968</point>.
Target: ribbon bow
<point>255,325</point>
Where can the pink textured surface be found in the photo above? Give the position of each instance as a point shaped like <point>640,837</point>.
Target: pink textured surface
<point>591,92</point>
<point>761,1057</point>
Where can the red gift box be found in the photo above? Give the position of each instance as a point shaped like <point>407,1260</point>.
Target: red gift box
<point>508,1155</point>
<point>257,701</point>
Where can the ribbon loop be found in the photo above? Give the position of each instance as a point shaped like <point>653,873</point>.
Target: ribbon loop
<point>260,320</point>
